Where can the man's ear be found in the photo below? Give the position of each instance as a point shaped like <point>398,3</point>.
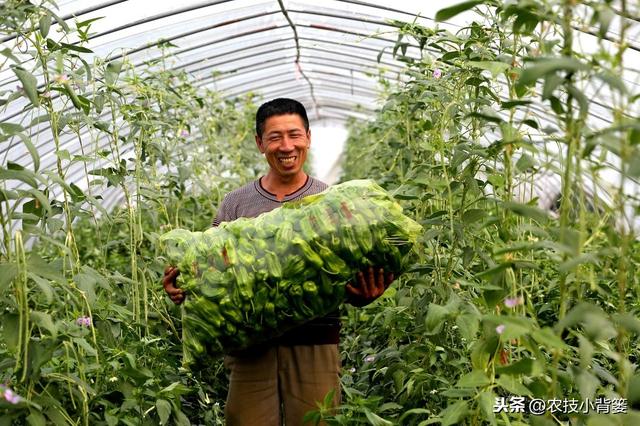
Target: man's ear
<point>259,143</point>
<point>308,138</point>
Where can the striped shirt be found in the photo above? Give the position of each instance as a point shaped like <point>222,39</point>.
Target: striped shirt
<point>252,200</point>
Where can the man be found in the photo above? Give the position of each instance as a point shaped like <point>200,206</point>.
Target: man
<point>293,372</point>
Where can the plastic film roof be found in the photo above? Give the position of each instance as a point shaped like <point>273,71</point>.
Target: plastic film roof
<point>328,54</point>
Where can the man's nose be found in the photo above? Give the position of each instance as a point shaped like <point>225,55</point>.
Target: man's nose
<point>286,144</point>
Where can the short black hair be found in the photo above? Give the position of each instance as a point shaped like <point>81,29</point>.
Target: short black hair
<point>280,106</point>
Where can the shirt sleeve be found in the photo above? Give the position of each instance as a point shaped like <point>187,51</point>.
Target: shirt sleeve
<point>222,215</point>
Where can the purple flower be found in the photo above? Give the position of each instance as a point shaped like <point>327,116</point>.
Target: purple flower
<point>184,133</point>
<point>437,73</point>
<point>500,329</point>
<point>512,302</point>
<point>84,321</point>
<point>10,396</point>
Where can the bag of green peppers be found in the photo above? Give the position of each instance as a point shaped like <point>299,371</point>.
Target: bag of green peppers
<point>252,279</point>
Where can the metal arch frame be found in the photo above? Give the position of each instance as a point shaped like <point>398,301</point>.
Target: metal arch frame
<point>224,23</point>
<point>208,66</point>
<point>282,74</point>
<point>340,104</point>
<point>161,16</point>
<point>396,66</point>
<point>182,35</point>
<point>384,39</point>
<point>221,75</point>
<point>288,85</point>
<point>45,128</point>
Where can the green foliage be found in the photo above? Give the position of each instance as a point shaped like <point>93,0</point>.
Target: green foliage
<point>505,299</point>
<point>88,336</point>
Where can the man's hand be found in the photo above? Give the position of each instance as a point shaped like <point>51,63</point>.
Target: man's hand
<point>369,287</point>
<point>169,283</point>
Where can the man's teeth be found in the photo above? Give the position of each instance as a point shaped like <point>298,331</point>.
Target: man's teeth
<point>287,160</point>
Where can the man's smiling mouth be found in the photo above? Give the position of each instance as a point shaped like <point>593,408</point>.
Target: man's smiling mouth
<point>287,160</point>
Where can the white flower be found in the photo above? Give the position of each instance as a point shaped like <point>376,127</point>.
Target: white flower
<point>500,329</point>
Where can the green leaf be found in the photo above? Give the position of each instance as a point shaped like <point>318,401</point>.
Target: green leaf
<point>376,420</point>
<point>22,175</point>
<point>628,321</point>
<point>526,211</point>
<point>436,315</point>
<point>76,48</point>
<point>33,151</point>
<point>60,21</point>
<point>633,168</point>
<point>11,331</point>
<point>86,284</point>
<point>181,419</point>
<point>36,419</point>
<point>551,83</point>
<point>9,54</point>
<point>8,271</point>
<point>547,338</point>
<point>164,410</point>
<point>80,341</point>
<point>486,400</point>
<point>80,102</point>
<point>456,9</point>
<point>40,267</point>
<point>515,327</point>
<point>587,384</point>
<point>605,16</point>
<point>10,129</point>
<point>29,84</point>
<point>43,320</point>
<point>495,67</point>
<point>583,101</point>
<point>112,71</point>
<point>42,199</point>
<point>525,162</point>
<point>474,379</point>
<point>513,385</point>
<point>542,67</point>
<point>514,103</point>
<point>44,286</point>
<point>45,24</point>
<point>453,414</point>
<point>411,412</point>
<point>468,324</point>
<point>526,366</point>
<point>633,389</point>
<point>473,215</point>
<point>614,81</point>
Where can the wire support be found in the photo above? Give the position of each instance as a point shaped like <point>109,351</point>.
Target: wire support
<point>297,59</point>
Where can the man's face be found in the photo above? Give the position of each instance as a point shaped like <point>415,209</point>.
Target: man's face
<point>284,142</point>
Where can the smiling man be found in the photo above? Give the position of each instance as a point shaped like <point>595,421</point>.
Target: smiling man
<point>284,378</point>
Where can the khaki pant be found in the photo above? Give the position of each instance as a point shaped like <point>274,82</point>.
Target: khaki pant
<point>280,382</point>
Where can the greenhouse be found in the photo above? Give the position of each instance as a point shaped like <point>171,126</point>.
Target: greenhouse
<point>483,155</point>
